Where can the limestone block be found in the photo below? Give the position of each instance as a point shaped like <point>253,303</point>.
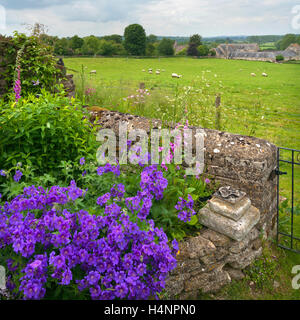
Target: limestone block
<point>218,239</point>
<point>236,230</point>
<point>208,282</point>
<point>195,247</point>
<point>232,211</point>
<point>243,259</point>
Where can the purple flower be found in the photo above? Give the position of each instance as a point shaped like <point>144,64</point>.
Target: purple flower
<point>207,181</point>
<point>17,86</point>
<point>2,173</point>
<point>185,208</point>
<point>82,161</point>
<point>18,175</point>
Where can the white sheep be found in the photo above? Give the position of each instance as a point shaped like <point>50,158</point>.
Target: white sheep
<point>143,70</point>
<point>175,75</point>
<point>157,72</point>
<point>150,71</point>
<point>264,74</point>
<point>253,74</point>
<point>93,72</point>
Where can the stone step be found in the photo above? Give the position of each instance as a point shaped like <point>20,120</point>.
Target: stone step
<point>236,230</point>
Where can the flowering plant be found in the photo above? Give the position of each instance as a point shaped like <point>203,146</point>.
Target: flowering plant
<point>52,249</point>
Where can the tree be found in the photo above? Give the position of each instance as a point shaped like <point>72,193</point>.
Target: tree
<point>150,49</point>
<point>151,38</point>
<point>76,42</point>
<point>135,39</point>
<point>196,38</point>
<point>192,50</point>
<point>287,40</point>
<point>165,47</point>
<point>194,43</point>
<point>203,50</point>
<point>114,37</point>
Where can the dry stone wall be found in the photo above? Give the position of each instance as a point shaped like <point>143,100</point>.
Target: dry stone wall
<point>244,163</point>
<point>232,236</point>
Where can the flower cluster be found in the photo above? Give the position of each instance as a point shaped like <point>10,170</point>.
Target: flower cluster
<point>118,259</point>
<point>17,86</point>
<point>109,168</point>
<point>185,208</point>
<point>139,97</point>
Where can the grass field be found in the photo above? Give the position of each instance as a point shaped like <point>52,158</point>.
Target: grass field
<point>265,107</point>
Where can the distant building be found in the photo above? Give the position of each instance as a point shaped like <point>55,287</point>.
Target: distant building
<point>178,47</point>
<point>251,52</point>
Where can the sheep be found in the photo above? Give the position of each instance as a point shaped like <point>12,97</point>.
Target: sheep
<point>150,71</point>
<point>157,72</point>
<point>253,74</point>
<point>143,70</point>
<point>264,74</point>
<point>175,75</point>
<point>93,72</point>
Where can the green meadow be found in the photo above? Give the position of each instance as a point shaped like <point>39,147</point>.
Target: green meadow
<point>265,107</point>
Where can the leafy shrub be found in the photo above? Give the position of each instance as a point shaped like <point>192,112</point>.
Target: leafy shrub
<point>37,64</point>
<point>43,131</point>
<point>280,57</point>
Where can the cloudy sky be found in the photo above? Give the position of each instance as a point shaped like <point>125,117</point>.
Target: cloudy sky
<point>160,17</point>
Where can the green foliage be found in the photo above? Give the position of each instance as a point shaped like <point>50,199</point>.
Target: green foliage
<point>37,63</point>
<point>203,50</point>
<point>280,57</point>
<point>192,50</point>
<point>165,47</point>
<point>135,40</point>
<point>41,132</point>
<point>114,37</point>
<point>150,49</point>
<point>263,271</point>
<point>196,39</point>
<point>76,42</point>
<point>182,52</point>
<point>151,38</point>
<point>287,40</point>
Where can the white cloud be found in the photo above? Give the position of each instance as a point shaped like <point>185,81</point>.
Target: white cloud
<point>161,17</point>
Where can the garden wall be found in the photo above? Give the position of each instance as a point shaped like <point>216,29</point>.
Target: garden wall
<point>220,253</point>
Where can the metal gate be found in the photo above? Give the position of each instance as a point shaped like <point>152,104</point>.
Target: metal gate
<point>288,207</point>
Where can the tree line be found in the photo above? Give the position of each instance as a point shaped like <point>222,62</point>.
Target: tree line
<point>134,42</point>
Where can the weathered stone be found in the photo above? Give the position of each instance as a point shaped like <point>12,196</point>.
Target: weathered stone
<point>174,285</point>
<point>208,282</point>
<point>188,265</point>
<point>218,239</point>
<point>235,274</point>
<point>233,211</point>
<point>236,230</point>
<point>243,259</point>
<point>238,246</point>
<point>195,247</point>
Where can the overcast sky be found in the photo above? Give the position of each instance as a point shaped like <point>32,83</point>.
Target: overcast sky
<point>160,17</point>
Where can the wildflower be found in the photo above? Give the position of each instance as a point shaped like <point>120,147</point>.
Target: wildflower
<point>2,173</point>
<point>17,86</point>
<point>18,175</point>
<point>35,83</point>
<point>185,208</point>
<point>82,161</point>
<point>207,181</point>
